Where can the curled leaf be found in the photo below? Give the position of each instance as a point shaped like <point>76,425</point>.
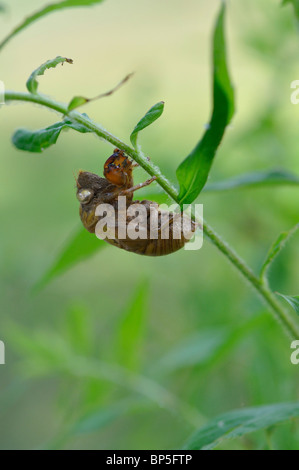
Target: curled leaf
<point>151,116</point>
<point>32,83</point>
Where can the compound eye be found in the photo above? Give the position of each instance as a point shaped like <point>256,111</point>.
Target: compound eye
<point>84,195</point>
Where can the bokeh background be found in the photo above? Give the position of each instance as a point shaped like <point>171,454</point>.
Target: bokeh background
<point>195,337</point>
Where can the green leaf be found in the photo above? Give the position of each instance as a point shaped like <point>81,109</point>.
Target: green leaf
<point>79,247</point>
<point>151,116</point>
<point>32,83</point>
<point>239,423</point>
<point>37,141</point>
<point>44,11</point>
<point>292,300</point>
<point>276,248</point>
<point>255,179</point>
<point>3,8</point>
<point>193,172</point>
<point>78,101</point>
<point>131,329</point>
<point>295,4</point>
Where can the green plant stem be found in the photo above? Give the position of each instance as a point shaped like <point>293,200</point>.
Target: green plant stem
<point>62,108</point>
<point>289,323</point>
<point>280,313</point>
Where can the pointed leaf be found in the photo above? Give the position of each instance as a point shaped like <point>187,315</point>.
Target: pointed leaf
<point>37,141</point>
<point>276,248</point>
<point>151,116</point>
<point>239,423</point>
<point>32,83</point>
<point>193,172</point>
<point>44,11</point>
<point>292,300</point>
<point>79,247</point>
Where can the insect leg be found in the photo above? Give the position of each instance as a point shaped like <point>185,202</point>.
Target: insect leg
<point>138,186</point>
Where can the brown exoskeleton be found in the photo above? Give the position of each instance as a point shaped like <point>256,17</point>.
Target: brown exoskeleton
<point>92,190</point>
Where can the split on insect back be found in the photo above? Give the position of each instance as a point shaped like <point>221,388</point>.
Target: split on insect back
<point>142,227</point>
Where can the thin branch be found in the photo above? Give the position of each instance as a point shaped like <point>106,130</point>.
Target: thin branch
<point>285,319</point>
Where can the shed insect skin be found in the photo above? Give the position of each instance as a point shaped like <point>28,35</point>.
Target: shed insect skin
<point>93,190</point>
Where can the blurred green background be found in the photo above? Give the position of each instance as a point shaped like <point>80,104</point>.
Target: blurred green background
<point>195,337</point>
